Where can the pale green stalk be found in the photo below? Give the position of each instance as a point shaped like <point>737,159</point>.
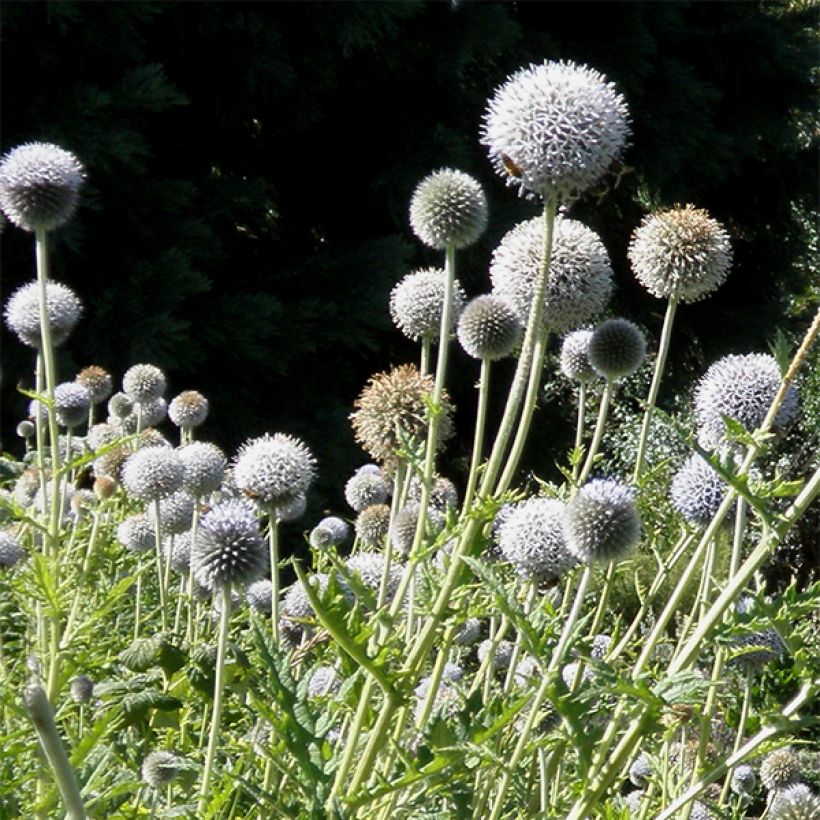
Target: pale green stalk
<point>741,728</point>
<point>478,439</point>
<point>424,364</point>
<point>160,574</point>
<point>189,626</point>
<point>92,540</point>
<point>579,426</point>
<point>273,544</point>
<point>597,436</point>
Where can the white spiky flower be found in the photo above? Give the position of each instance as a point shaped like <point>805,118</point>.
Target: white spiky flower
<point>323,681</point>
<point>364,489</point>
<point>489,328</point>
<point>10,550</point>
<point>160,768</point>
<point>274,469</point>
<point>63,309</point>
<point>697,491</point>
<point>188,410</point>
<point>329,532</point>
<point>373,524</point>
<point>575,356</point>
<point>204,465</point>
<point>555,127</point>
<point>71,403</point>
<point>152,473</point>
<point>617,348</point>
<point>143,383</point>
<point>780,769</point>
<point>417,303</point>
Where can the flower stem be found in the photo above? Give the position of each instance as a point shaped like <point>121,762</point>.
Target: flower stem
<point>603,411</point>
<point>478,439</point>
<point>273,543</point>
<point>160,574</point>
<point>579,426</point>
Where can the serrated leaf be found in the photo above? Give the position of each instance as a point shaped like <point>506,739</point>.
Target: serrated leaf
<point>142,654</point>
<point>136,705</point>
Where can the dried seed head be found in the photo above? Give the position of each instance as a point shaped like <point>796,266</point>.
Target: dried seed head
<point>373,524</point>
<point>104,487</point>
<point>188,410</point>
<point>780,769</point>
<point>97,381</point>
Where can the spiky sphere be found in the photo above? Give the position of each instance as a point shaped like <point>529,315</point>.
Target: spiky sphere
<point>329,532</point>
<point>274,469</point>
<point>323,681</point>
<point>177,550</point>
<point>71,403</point>
<point>555,128</point>
<point>153,473</point>
<point>780,769</point>
<point>756,651</point>
<point>82,688</point>
<point>417,303</point>
<point>25,429</point>
<point>743,388</point>
<point>569,672</point>
<point>600,646</point>
<point>697,491</point>
<point>443,493</point>
<point>372,525</point>
<point>204,467</point>
<point>120,406</point>
<point>617,348</point>
<point>392,408</point>
<point>366,489</point>
<point>448,208</point>
<point>500,655</point>
<point>11,552</point>
<point>579,283</point>
<point>176,512</point>
<point>680,250</point>
<point>152,412</point>
<point>532,539</point>
<point>640,771</point>
<point>489,328</point>
<point>404,527</point>
<point>136,533</point>
<point>63,309</point>
<point>229,548</point>
<point>97,381</point>
<point>601,523</point>
<point>296,603</point>
<point>699,812</point>
<point>451,673</point>
<point>574,356</point>
<point>160,768</point>
<point>188,410</point>
<point>39,186</point>
<point>743,779</point>
<point>468,633</point>
<point>797,802</point>
<point>259,596</point>
<point>369,566</point>
<point>143,383</point>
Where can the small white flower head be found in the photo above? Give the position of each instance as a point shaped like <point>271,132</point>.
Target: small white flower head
<point>71,404</point>
<point>451,673</point>
<point>632,801</point>
<point>39,186</point>
<point>468,633</point>
<point>259,596</point>
<point>405,523</point>
<point>25,429</point>
<point>579,282</point>
<point>296,604</point>
<point>372,525</point>
<point>797,802</point>
<point>23,313</point>
<point>574,356</point>
<point>369,566</point>
<point>143,383</point>
<point>81,689</point>
<point>274,469</point>
<point>448,208</point>
<point>501,655</point>
<point>120,406</point>
<point>780,769</point>
<point>329,532</point>
<point>188,410</point>
<point>136,533</point>
<point>600,646</point>
<point>532,539</point>
<point>204,467</point>
<point>640,771</point>
<point>699,812</point>
<point>443,493</point>
<point>617,348</point>
<point>743,780</point>
<point>152,473</point>
<point>97,381</point>
<point>446,703</point>
<point>569,671</point>
<point>177,549</point>
<point>555,128</point>
<point>417,303</point>
<point>364,489</point>
<point>680,250</point>
<point>153,412</point>
<point>697,491</point>
<point>601,523</point>
<point>229,548</point>
<point>489,328</point>
<point>176,512</point>
<point>323,681</point>
<point>11,552</point>
<point>292,509</point>
<point>160,768</point>
<point>373,469</point>
<point>743,388</point>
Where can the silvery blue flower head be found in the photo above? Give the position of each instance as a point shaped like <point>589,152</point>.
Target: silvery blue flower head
<point>329,532</point>
<point>323,681</point>
<point>417,303</point>
<point>259,596</point>
<point>797,802</point>
<point>188,410</point>
<point>153,473</point>
<point>136,533</point>
<point>296,603</point>
<point>10,550</point>
<point>143,383</point>
<point>71,404</point>
<point>617,348</point>
<point>364,489</point>
<point>489,328</point>
<point>372,525</point>
<point>743,779</point>
<point>160,768</point>
<point>780,769</point>
<point>204,467</point>
<point>97,381</point>
<point>369,567</point>
<point>697,491</point>
<point>39,186</point>
<point>555,128</point>
<point>404,526</point>
<point>575,356</point>
<point>176,512</point>
<point>63,309</point>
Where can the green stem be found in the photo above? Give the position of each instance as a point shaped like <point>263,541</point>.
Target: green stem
<point>160,574</point>
<point>273,543</point>
<point>478,439</point>
<point>579,427</point>
<point>424,365</point>
<point>606,397</point>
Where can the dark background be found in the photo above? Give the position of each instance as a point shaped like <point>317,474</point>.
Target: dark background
<point>250,168</point>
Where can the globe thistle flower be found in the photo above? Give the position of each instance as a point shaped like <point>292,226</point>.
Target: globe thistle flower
<point>797,802</point>
<point>259,596</point>
<point>488,328</point>
<point>451,673</point>
<point>417,303</point>
<point>468,633</point>
<point>323,681</point>
<point>296,603</point>
<point>111,464</point>
<point>569,672</point>
<point>329,532</point>
<point>26,487</point>
<point>188,410</point>
<point>143,383</point>
<point>446,703</point>
<point>160,768</point>
<point>574,357</point>
<point>292,509</point>
<point>697,491</point>
<point>152,473</point>
<point>780,769</point>
<point>177,549</point>
<point>617,348</point>
<point>404,527</point>
<point>63,309</point>
<point>743,779</point>
<point>176,512</point>
<point>500,655</point>
<point>640,771</point>
<point>681,250</point>
<point>100,435</point>
<point>579,283</point>
<point>532,539</point>
<point>366,489</point>
<point>39,186</point>
<point>274,469</point>
<point>699,812</point>
<point>369,567</point>
<point>755,651</point>
<point>152,412</point>
<point>448,208</point>
<point>443,493</point>
<point>136,533</point>
<point>203,467</point>
<point>600,646</point>
<point>82,688</point>
<point>71,404</point>
<point>391,412</point>
<point>82,502</point>
<point>97,381</point>
<point>11,552</point>
<point>229,548</point>
<point>632,801</point>
<point>601,523</point>
<point>120,406</point>
<point>25,429</point>
<point>373,524</point>
<point>743,388</point>
<point>555,128</point>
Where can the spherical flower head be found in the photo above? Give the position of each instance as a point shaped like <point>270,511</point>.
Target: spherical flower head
<point>797,802</point>
<point>229,548</point>
<point>120,406</point>
<point>329,532</point>
<point>25,429</point>
<point>368,568</point>
<point>743,779</point>
<point>152,413</point>
<point>680,251</point>
<point>451,673</point>
<point>366,489</point>
<point>323,682</point>
<point>82,688</point>
<point>468,633</point>
<point>177,550</point>
<point>756,652</point>
<point>601,523</point>
<point>204,467</point>
<point>160,768</point>
<point>274,470</point>
<point>143,383</point>
<point>743,388</point>
<point>391,413</point>
<point>296,604</point>
<point>404,527</point>
<point>443,493</point>
<point>136,533</point>
<point>448,208</point>
<point>176,513</point>
<point>569,671</point>
<point>500,655</point>
<point>417,303</point>
<point>188,410</point>
<point>259,596</point>
<point>780,769</point>
<point>699,812</point>
<point>579,282</point>
<point>617,348</point>
<point>600,646</point>
<point>574,357</point>
<point>97,381</point>
<point>153,473</point>
<point>640,771</point>
<point>489,328</point>
<point>71,404</point>
<point>555,128</point>
<point>372,525</point>
<point>11,552</point>
<point>39,186</point>
<point>23,313</point>
<point>532,539</point>
<point>697,491</point>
